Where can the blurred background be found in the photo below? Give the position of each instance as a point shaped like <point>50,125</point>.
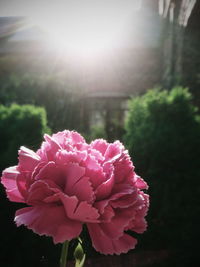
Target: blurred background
<point>127,70</point>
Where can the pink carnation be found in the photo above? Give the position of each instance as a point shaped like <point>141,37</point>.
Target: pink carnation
<point>68,183</point>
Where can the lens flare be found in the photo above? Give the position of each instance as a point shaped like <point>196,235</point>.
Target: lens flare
<point>88,33</point>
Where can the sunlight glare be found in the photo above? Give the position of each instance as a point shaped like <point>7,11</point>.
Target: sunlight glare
<point>85,33</point>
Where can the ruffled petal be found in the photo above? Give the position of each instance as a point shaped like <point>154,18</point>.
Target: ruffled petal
<point>120,190</point>
<point>107,214</point>
<point>91,163</point>
<point>61,138</point>
<point>23,180</point>
<point>100,145</point>
<point>97,177</point>
<point>114,151</point>
<point>115,228</point>
<point>28,159</point>
<point>82,211</point>
<point>140,183</point>
<point>125,201</point>
<point>52,148</point>
<point>96,154</point>
<point>104,189</point>
<point>139,225</point>
<point>83,190</point>
<point>40,190</point>
<point>103,244</point>
<point>76,137</point>
<point>49,220</point>
<point>9,180</point>
<point>73,172</point>
<point>123,168</point>
<point>66,137</point>
<point>64,157</point>
<point>50,171</point>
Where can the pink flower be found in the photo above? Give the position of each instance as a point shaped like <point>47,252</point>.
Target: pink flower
<point>68,183</point>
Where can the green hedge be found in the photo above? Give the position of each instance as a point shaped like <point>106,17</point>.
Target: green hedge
<point>163,137</point>
<point>20,125</point>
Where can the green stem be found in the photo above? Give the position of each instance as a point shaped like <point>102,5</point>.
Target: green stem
<point>63,258</point>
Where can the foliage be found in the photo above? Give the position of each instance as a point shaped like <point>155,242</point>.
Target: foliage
<point>53,92</point>
<point>96,131</point>
<point>191,59</point>
<point>20,125</point>
<point>163,137</point>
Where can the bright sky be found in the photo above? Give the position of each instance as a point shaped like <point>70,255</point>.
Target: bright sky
<point>43,7</point>
<point>89,27</point>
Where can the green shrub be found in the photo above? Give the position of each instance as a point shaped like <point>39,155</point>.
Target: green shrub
<point>163,138</point>
<point>20,125</point>
<point>96,132</point>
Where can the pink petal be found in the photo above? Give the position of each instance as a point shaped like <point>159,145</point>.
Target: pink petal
<point>140,183</point>
<point>42,152</point>
<point>28,159</point>
<point>104,190</point>
<point>91,163</point>
<point>120,190</point>
<point>64,157</point>
<point>52,148</point>
<point>105,210</point>
<point>37,170</point>
<point>108,169</point>
<point>101,205</point>
<point>97,177</point>
<point>107,215</point>
<point>47,171</point>
<point>83,190</point>
<point>22,180</point>
<point>52,199</point>
<point>113,151</point>
<point>61,137</point>
<point>124,244</point>
<point>96,154</point>
<point>68,137</point>
<point>106,245</point>
<point>76,137</point>
<point>100,145</point>
<point>125,201</point>
<point>115,228</point>
<point>139,226</point>
<point>52,141</point>
<point>83,212</point>
<point>81,146</point>
<point>70,204</point>
<point>51,172</point>
<point>86,213</point>
<point>9,178</point>
<point>141,202</point>
<point>49,220</point>
<point>123,168</point>
<point>40,190</point>
<point>73,172</point>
